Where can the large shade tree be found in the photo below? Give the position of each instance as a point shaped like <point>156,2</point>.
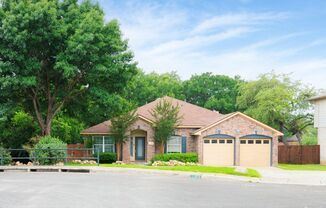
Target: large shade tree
<point>215,92</point>
<point>277,101</point>
<point>53,52</point>
<point>146,87</point>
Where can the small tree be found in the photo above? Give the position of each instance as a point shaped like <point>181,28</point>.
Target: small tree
<point>166,118</point>
<point>120,125</point>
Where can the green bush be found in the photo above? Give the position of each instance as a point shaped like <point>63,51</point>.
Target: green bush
<point>5,157</point>
<point>310,136</point>
<point>182,157</point>
<point>106,157</point>
<point>46,151</point>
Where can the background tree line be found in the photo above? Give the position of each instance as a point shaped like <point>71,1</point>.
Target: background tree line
<point>63,68</point>
<point>273,99</point>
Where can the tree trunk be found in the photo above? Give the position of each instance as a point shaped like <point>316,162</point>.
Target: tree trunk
<point>44,123</point>
<point>118,151</point>
<point>119,148</point>
<point>162,148</point>
<point>299,136</point>
<point>46,129</point>
<point>281,138</point>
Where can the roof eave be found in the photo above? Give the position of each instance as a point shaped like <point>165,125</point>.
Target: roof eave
<point>199,131</point>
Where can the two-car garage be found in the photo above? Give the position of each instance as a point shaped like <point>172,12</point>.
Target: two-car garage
<point>253,150</point>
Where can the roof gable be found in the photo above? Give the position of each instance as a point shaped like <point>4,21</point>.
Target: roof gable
<point>231,115</point>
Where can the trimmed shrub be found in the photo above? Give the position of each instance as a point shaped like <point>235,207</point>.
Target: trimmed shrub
<point>182,157</point>
<point>106,157</point>
<point>5,157</point>
<point>46,151</point>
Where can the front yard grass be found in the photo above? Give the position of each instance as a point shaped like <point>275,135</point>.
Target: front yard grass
<point>310,167</point>
<point>197,169</point>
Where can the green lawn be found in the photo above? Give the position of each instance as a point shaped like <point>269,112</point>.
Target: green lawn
<point>197,169</point>
<point>313,167</point>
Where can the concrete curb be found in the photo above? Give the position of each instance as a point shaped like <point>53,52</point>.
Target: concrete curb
<point>194,175</point>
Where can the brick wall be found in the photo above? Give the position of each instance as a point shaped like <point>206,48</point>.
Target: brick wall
<point>239,126</point>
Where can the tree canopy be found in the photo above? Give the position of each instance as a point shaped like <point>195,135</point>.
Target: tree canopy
<point>166,119</point>
<point>215,92</point>
<point>54,52</point>
<point>144,88</point>
<point>277,101</point>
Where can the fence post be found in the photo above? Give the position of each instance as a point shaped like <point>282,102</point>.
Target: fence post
<point>1,160</point>
<point>66,160</point>
<point>98,158</point>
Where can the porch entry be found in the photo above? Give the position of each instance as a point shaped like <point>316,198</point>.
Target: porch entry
<point>140,148</point>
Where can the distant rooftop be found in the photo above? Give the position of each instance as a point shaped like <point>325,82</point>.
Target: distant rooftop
<point>318,97</point>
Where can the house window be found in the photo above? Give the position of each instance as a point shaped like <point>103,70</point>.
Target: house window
<point>173,144</point>
<point>103,144</point>
<point>206,141</point>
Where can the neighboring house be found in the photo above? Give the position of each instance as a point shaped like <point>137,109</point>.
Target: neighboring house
<point>293,140</point>
<point>231,139</point>
<point>320,123</point>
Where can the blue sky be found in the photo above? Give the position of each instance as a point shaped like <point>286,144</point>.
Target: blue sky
<point>232,37</point>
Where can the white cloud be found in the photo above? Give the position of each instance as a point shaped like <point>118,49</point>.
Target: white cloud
<point>248,62</point>
<point>166,38</point>
<point>238,19</point>
<point>193,42</point>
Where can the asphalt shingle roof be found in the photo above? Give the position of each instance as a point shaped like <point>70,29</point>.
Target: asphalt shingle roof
<point>191,116</point>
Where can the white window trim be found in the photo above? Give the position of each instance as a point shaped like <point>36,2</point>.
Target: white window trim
<point>180,144</point>
<point>103,145</point>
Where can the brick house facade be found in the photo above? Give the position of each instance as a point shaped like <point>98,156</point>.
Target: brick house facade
<point>197,123</point>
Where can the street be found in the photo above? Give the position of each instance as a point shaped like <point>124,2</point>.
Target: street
<point>132,189</point>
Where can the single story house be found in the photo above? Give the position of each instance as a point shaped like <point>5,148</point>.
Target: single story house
<point>219,140</point>
<point>320,123</point>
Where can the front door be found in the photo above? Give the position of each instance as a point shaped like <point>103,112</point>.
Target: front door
<point>140,148</point>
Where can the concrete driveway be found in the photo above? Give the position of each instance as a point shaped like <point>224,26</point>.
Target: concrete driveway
<point>279,176</point>
<point>140,189</point>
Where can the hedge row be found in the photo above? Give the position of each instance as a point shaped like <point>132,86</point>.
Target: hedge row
<point>182,157</point>
<point>106,157</point>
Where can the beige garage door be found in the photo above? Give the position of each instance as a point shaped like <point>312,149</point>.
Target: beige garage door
<point>255,152</point>
<point>218,152</point>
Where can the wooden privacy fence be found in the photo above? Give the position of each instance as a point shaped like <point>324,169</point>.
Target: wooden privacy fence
<point>299,154</point>
<point>78,151</point>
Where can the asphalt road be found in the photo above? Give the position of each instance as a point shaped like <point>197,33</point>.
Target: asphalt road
<point>112,189</point>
